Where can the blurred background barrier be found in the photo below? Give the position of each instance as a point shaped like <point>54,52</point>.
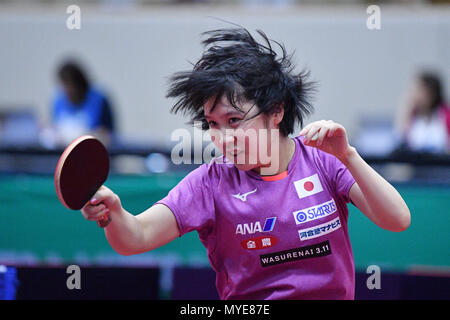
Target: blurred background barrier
<point>96,283</point>
<point>189,283</point>
<point>37,229</point>
<point>8,282</point>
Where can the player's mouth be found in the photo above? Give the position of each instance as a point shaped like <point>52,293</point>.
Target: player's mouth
<point>234,155</point>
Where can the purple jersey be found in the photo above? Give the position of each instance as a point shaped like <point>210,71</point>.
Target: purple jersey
<point>282,239</point>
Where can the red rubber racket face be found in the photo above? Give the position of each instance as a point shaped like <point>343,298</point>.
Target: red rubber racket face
<point>81,171</point>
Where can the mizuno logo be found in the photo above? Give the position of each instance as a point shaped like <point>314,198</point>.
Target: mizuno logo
<point>243,197</point>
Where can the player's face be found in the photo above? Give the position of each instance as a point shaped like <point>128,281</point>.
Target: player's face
<point>421,97</point>
<point>73,93</point>
<point>245,140</point>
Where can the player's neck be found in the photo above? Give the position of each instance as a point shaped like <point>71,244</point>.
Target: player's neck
<point>279,162</point>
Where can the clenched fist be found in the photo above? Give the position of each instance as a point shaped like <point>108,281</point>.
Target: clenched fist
<point>103,202</point>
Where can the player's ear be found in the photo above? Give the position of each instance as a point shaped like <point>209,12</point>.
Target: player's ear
<point>278,114</point>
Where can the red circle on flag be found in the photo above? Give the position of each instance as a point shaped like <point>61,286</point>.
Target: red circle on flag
<point>308,185</point>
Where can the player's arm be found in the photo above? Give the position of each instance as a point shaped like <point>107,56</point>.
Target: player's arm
<point>128,234</point>
<point>376,197</point>
<point>371,193</point>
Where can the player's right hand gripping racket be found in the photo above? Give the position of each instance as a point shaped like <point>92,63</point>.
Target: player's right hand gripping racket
<point>82,169</point>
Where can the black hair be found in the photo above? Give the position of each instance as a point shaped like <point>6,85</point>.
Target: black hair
<point>432,83</point>
<point>235,65</point>
<point>71,72</point>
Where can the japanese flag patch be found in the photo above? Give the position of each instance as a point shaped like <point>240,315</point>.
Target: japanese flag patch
<point>308,186</point>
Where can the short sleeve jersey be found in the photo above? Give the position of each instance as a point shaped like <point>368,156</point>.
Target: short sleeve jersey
<point>282,239</point>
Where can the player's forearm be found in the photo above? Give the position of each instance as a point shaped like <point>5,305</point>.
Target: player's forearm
<point>124,233</point>
<point>387,208</point>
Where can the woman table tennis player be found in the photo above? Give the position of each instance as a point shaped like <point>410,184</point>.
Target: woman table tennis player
<point>273,229</point>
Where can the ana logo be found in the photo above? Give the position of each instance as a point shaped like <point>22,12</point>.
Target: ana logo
<point>259,243</point>
<point>252,228</point>
<point>308,186</point>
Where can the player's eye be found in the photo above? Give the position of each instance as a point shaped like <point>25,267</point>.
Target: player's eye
<point>212,124</point>
<point>233,121</point>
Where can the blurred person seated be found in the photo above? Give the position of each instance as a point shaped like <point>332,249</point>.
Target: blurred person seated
<point>79,108</point>
<point>424,122</point>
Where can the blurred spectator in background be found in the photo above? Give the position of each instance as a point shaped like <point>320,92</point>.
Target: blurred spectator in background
<point>79,108</point>
<point>424,121</point>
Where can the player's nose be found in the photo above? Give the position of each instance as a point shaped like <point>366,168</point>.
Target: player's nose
<point>229,141</point>
<point>223,139</point>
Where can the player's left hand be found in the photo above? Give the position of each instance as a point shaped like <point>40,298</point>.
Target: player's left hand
<point>327,136</point>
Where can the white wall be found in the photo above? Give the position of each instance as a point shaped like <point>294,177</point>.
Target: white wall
<point>131,53</point>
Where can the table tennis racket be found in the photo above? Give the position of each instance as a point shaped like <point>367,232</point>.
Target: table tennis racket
<point>82,169</point>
